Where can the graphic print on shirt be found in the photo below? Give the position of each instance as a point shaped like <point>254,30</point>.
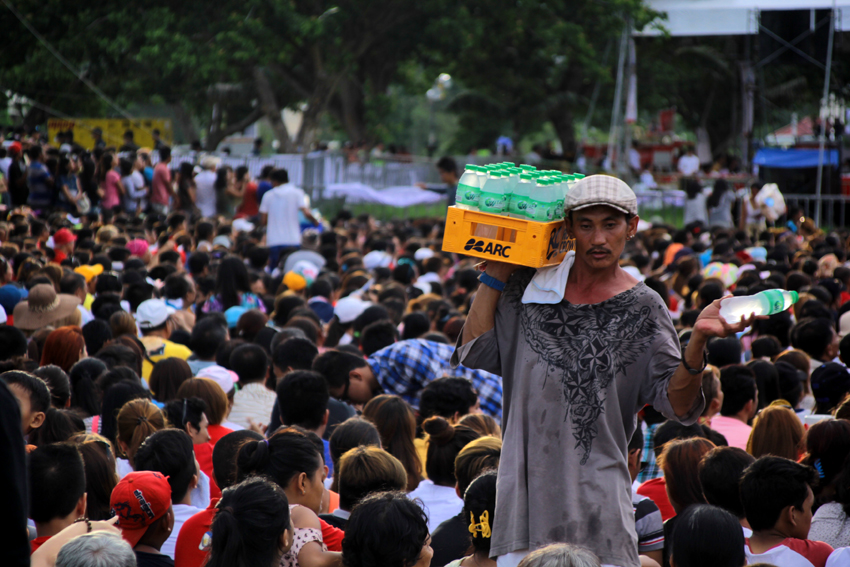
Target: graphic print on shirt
<point>586,346</point>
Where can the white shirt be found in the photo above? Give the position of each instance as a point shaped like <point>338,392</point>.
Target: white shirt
<point>688,165</point>
<point>253,401</point>
<point>182,512</point>
<point>634,159</point>
<point>439,502</point>
<point>205,192</point>
<point>282,204</point>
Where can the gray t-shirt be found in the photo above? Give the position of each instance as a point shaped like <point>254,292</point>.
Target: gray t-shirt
<point>574,377</point>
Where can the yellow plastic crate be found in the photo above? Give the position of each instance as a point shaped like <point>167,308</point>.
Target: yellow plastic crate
<point>506,239</point>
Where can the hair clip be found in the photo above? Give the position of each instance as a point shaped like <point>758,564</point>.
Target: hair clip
<point>483,526</point>
<point>819,467</point>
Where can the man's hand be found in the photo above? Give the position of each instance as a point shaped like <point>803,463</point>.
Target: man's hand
<point>499,270</point>
<point>711,324</point>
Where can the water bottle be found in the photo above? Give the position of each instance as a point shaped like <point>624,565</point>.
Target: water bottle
<point>768,302</point>
<point>469,188</point>
<point>540,202</point>
<point>519,200</point>
<point>494,196</point>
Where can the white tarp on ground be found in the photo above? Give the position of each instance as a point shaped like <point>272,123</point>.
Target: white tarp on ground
<point>391,196</point>
<point>732,17</point>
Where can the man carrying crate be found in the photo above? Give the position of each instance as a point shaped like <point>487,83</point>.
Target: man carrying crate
<point>578,360</point>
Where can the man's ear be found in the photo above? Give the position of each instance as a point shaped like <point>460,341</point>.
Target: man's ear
<point>169,521</point>
<point>82,503</point>
<point>457,491</point>
<point>37,420</point>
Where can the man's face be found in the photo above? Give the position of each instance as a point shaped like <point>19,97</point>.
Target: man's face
<point>29,420</point>
<point>360,386</point>
<point>446,176</point>
<point>600,235</point>
<point>803,517</point>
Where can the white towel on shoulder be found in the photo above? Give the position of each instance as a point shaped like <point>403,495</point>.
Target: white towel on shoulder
<point>548,284</point>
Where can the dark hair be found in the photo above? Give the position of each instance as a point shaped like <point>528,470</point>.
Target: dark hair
<point>224,455</point>
<point>208,335</point>
<point>724,352</point>
<point>447,164</point>
<point>720,472</point>
<point>211,393</point>
<point>739,387</point>
<point>222,356</point>
<point>36,388</point>
<point>85,394</point>
<point>480,499</point>
<point>680,463</point>
<point>182,412</point>
<point>282,457</point>
<point>478,456</point>
<point>250,362</point>
<point>250,324</point>
<point>13,342</point>
<point>57,382</point>
<point>720,187</point>
<point>197,262</point>
<point>167,376</point>
<point>59,425</point>
<point>96,333</point>
<point>766,346</point>
<point>706,536</point>
<point>377,335</point>
<point>812,336</point>
<point>117,355</point>
<point>280,175</point>
<point>295,353</point>
<point>415,324</point>
<point>231,280</point>
<point>770,485</point>
<point>170,452</point>
<point>351,433</point>
<point>284,306</point>
<point>396,423</point>
<point>176,286</point>
<point>302,398</point>
<point>336,365</point>
<point>366,470</point>
<point>71,282</point>
<point>385,530</point>
<point>827,448</point>
<point>251,518</point>
<point>444,443</point>
<point>99,463</point>
<point>447,396</point>
<point>114,399</point>
<point>57,481</point>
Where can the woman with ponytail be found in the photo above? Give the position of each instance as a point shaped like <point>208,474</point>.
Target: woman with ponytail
<point>85,394</point>
<point>252,527</point>
<point>479,507</point>
<point>294,463</point>
<point>438,491</point>
<point>396,423</point>
<point>137,420</point>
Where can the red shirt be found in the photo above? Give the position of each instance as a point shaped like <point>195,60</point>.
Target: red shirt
<point>217,432</point>
<point>656,490</point>
<point>331,536</point>
<point>204,455</point>
<point>190,550</point>
<point>249,206</point>
<point>59,256</point>
<point>38,542</point>
<point>161,184</point>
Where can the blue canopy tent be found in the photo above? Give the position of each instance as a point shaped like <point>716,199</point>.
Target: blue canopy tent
<point>793,158</point>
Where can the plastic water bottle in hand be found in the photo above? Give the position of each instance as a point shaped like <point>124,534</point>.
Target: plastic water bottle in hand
<point>768,302</point>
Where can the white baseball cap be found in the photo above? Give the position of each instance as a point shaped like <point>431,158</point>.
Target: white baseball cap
<point>152,313</point>
<point>220,375</point>
<point>349,308</point>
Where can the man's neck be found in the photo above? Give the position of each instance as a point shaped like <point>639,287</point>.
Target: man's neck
<point>53,527</point>
<point>596,285</point>
<point>744,523</point>
<point>767,539</point>
<point>742,417</point>
<point>158,334</point>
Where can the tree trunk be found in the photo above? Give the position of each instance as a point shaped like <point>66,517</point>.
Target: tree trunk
<point>563,121</point>
<point>214,139</point>
<point>348,106</point>
<point>185,131</point>
<point>271,110</point>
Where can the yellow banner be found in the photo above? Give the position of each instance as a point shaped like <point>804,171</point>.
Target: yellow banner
<point>113,130</point>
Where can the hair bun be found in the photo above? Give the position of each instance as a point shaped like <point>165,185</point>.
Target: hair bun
<point>439,429</point>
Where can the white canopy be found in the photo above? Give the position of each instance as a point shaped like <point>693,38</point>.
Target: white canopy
<point>733,17</point>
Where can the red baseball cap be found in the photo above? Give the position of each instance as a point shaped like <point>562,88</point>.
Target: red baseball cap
<point>64,236</point>
<point>15,148</point>
<point>140,499</point>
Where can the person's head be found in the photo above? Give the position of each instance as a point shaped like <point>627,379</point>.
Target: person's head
<point>189,414</point>
<point>252,525</point>
<point>96,334</point>
<point>13,343</point>
<point>479,507</point>
<point>366,470</point>
<point>396,423</point>
<point>224,455</point>
<point>169,451</point>
<point>351,433</point>
<point>208,335</point>
<point>166,378</point>
<point>85,394</point>
<point>101,478</point>
<point>295,353</point>
<point>766,347</point>
<point>96,549</point>
<point>302,398</point>
<point>777,495</point>
<point>350,378</point>
<point>154,318</point>
<point>213,395</point>
<point>64,347</point>
<point>59,425</point>
<point>827,448</point>
<point>482,423</point>
<point>290,459</point>
<point>377,335</point>
<point>560,555</point>
<point>724,352</point>
<point>601,214</point>
<point>776,431</point>
<point>57,484</point>
<point>136,421</point>
<point>480,455</point>
<point>232,280</point>
<point>142,502</point>
<point>448,397</point>
<point>447,168</point>
<point>445,442</point>
<point>122,323</point>
<point>740,397</point>
<point>707,536</point>
<point>816,337</point>
<point>58,383</point>
<point>830,385</point>
<point>33,397</point>
<point>198,263</point>
<point>720,472</point>
<point>680,463</point>
<point>250,362</point>
<point>387,530</point>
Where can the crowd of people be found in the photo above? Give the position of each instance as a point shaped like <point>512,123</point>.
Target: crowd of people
<point>198,375</point>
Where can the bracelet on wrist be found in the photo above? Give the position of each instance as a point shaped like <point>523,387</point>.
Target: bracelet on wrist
<point>86,520</point>
<point>491,282</point>
<point>695,371</point>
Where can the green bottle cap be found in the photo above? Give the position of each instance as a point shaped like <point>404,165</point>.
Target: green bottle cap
<point>526,176</point>
<point>579,176</point>
<point>794,296</point>
<point>527,167</point>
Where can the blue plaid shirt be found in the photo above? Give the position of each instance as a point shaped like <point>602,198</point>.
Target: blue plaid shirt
<point>651,470</point>
<point>406,367</point>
